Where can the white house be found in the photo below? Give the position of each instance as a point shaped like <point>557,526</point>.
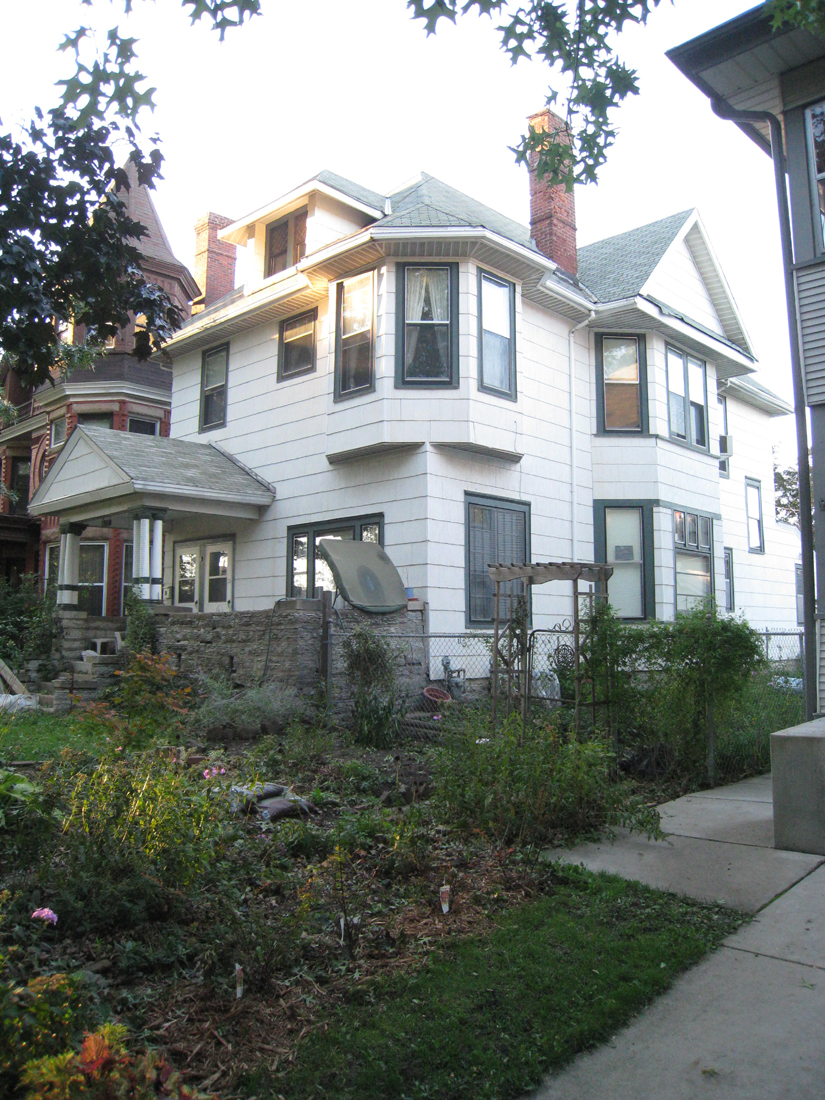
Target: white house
<point>419,370</point>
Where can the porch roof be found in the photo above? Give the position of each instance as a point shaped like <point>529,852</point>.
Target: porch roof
<point>104,474</point>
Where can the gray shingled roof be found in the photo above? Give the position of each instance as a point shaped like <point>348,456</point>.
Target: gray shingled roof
<point>354,190</point>
<point>417,202</point>
<point>179,466</point>
<point>618,267</point>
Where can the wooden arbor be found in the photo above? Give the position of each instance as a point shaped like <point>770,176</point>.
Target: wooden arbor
<point>539,573</point>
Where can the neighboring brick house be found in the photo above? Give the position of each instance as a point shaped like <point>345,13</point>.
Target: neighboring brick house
<point>419,370</point>
<point>117,392</point>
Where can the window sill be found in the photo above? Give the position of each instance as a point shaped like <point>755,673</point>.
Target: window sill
<point>210,427</point>
<point>505,395</point>
<point>350,395</point>
<point>752,551</point>
<point>688,446</point>
<point>427,384</point>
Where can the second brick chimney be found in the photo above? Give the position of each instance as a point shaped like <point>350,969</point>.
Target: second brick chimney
<point>552,208</point>
<point>214,260</point>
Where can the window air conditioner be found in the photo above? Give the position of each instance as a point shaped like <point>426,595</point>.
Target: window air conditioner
<point>725,445</point>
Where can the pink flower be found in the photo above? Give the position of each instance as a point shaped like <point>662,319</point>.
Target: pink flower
<point>223,771</point>
<point>207,774</point>
<point>45,914</point>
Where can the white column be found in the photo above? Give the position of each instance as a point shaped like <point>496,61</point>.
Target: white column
<point>156,577</point>
<point>70,569</point>
<point>145,558</point>
<point>61,565</point>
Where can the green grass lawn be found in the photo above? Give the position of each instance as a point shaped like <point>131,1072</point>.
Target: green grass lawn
<point>489,1016</point>
<point>35,735</point>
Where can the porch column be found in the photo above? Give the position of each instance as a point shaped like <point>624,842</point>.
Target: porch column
<point>156,576</point>
<point>141,557</point>
<point>68,572</point>
<point>145,558</point>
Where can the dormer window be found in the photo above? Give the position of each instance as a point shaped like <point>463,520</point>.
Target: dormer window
<point>286,243</point>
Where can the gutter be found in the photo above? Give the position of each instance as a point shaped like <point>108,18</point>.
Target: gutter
<point>724,110</point>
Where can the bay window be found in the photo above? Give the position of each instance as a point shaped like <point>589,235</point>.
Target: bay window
<point>687,398</point>
<point>622,397</point>
<point>624,551</point>
<point>693,541</point>
<point>427,325</point>
<point>355,332</point>
<point>496,336</point>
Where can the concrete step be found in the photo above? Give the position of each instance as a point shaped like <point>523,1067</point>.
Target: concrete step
<point>93,658</point>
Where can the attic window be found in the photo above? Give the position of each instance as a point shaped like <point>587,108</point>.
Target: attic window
<point>286,243</point>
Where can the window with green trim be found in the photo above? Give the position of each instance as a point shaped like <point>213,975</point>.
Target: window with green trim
<point>426,325</point>
<point>496,532</point>
<point>355,336</point>
<point>687,398</point>
<point>296,345</point>
<point>307,572</point>
<point>622,381</point>
<point>496,335</point>
<point>214,370</point>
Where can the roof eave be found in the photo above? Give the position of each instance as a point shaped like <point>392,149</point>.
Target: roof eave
<point>236,233</point>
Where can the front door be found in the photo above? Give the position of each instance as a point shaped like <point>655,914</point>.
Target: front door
<point>217,563</point>
<point>203,576</point>
<point>187,576</point>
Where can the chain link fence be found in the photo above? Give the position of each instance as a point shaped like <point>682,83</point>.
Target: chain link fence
<point>436,671</point>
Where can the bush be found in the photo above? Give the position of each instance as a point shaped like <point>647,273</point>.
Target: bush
<point>369,661</point>
<point>141,628</point>
<point>138,832</point>
<point>532,784</point>
<point>148,696</point>
<point>30,626</point>
<point>676,688</point>
<point>220,705</point>
<point>102,1070</point>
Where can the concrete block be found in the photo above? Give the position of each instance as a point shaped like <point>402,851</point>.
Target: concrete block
<point>798,768</point>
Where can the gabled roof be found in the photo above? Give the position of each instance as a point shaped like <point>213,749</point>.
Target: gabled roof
<point>754,393</point>
<point>618,267</point>
<point>112,464</point>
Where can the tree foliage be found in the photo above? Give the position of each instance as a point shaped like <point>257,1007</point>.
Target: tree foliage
<point>69,252</point>
<point>786,493</point>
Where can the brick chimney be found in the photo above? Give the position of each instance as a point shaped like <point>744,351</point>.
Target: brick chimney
<point>214,260</point>
<point>552,209</point>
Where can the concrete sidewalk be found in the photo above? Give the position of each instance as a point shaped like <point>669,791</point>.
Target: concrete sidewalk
<point>749,1020</point>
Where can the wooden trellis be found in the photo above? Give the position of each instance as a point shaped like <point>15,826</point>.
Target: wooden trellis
<point>539,573</point>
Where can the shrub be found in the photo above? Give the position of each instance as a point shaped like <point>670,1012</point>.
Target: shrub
<point>29,623</point>
<point>150,694</point>
<point>220,705</point>
<point>531,784</point>
<point>103,1069</point>
<point>137,833</point>
<point>369,661</point>
<point>141,628</point>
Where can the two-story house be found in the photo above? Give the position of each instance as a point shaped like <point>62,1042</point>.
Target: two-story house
<point>419,370</point>
<point>115,392</point>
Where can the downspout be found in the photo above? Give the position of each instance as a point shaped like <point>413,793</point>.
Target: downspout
<point>574,482</point>
<point>724,110</point>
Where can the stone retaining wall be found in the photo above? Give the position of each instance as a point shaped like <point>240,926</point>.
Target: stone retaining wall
<point>235,644</point>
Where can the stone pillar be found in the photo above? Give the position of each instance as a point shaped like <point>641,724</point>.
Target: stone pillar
<point>156,576</point>
<point>69,568</point>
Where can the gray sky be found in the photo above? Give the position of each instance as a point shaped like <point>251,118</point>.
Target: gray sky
<point>358,88</point>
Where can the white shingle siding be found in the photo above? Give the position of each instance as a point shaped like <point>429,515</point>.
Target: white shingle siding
<point>287,432</point>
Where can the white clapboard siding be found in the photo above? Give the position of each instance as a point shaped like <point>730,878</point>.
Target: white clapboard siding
<point>810,288</point>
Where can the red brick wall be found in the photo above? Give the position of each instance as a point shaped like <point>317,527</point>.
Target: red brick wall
<point>552,209</point>
<point>214,259</point>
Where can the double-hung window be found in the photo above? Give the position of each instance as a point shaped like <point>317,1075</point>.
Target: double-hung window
<point>753,510</point>
<point>214,369</point>
<point>622,400</point>
<point>286,242</point>
<point>307,572</point>
<point>624,541</point>
<point>296,346</point>
<point>427,325</point>
<point>692,538</point>
<point>355,336</point>
<point>730,595</point>
<point>497,532</point>
<point>687,398</point>
<point>496,335</point>
<point>21,469</point>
